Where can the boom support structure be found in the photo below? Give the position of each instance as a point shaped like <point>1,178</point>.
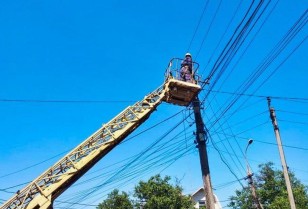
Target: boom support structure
<point>42,191</point>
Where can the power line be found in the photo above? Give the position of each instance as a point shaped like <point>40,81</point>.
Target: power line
<point>4,190</point>
<point>296,122</point>
<point>231,51</point>
<point>64,101</point>
<point>237,135</point>
<point>225,162</point>
<point>252,39</point>
<point>100,175</point>
<point>260,96</point>
<point>230,146</point>
<point>292,112</point>
<point>285,59</point>
<point>234,42</point>
<point>294,30</point>
<point>168,163</point>
<point>201,17</point>
<point>227,29</point>
<point>159,123</point>
<point>76,203</point>
<point>137,172</point>
<point>220,186</point>
<point>31,166</point>
<point>284,145</point>
<point>248,119</point>
<point>209,28</point>
<point>130,163</point>
<point>280,46</point>
<point>87,194</point>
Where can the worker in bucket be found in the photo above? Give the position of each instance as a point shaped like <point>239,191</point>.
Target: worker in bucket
<point>186,69</point>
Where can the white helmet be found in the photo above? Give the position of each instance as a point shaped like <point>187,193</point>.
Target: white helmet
<point>187,54</point>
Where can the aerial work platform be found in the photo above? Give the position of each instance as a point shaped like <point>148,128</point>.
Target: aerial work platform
<point>178,91</point>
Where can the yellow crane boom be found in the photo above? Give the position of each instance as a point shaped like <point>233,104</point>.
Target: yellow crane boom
<point>42,191</point>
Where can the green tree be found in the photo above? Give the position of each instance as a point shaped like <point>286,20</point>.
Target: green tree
<point>116,200</point>
<point>271,191</point>
<point>158,193</point>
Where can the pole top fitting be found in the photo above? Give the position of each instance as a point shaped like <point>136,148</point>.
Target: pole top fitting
<point>269,102</point>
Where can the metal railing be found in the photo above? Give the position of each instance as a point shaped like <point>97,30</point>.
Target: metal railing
<point>174,70</point>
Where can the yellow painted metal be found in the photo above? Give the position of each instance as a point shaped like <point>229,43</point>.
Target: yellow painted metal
<point>41,192</point>
<point>180,92</point>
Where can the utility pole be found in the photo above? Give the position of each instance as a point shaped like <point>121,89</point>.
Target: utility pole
<point>281,153</point>
<point>256,201</point>
<point>201,138</point>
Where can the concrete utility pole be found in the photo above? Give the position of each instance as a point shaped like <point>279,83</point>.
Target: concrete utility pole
<point>257,203</point>
<point>281,153</point>
<point>201,138</point>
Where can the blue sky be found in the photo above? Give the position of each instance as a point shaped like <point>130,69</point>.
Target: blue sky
<point>116,52</point>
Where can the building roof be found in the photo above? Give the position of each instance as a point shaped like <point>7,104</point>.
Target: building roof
<point>201,191</point>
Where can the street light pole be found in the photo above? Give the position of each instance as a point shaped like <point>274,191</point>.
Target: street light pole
<point>247,164</point>
<point>256,201</point>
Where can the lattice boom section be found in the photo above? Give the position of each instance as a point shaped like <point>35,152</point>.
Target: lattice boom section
<point>109,135</point>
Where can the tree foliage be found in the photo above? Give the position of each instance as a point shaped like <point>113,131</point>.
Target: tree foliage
<point>156,193</point>
<point>116,200</point>
<point>271,191</point>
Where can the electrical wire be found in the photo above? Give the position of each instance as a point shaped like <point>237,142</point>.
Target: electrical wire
<point>295,122</point>
<point>230,146</point>
<point>65,101</point>
<point>185,138</point>
<point>36,164</point>
<point>169,163</point>
<point>31,166</point>
<point>225,162</point>
<point>235,48</point>
<point>110,179</point>
<point>223,185</point>
<point>208,30</point>
<point>159,123</point>
<point>292,112</point>
<point>271,73</point>
<point>139,172</point>
<point>252,39</point>
<point>158,160</point>
<point>231,44</point>
<point>260,96</point>
<point>223,35</point>
<point>247,119</point>
<point>75,203</point>
<point>196,29</point>
<point>284,145</point>
<point>237,135</point>
<point>286,39</point>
